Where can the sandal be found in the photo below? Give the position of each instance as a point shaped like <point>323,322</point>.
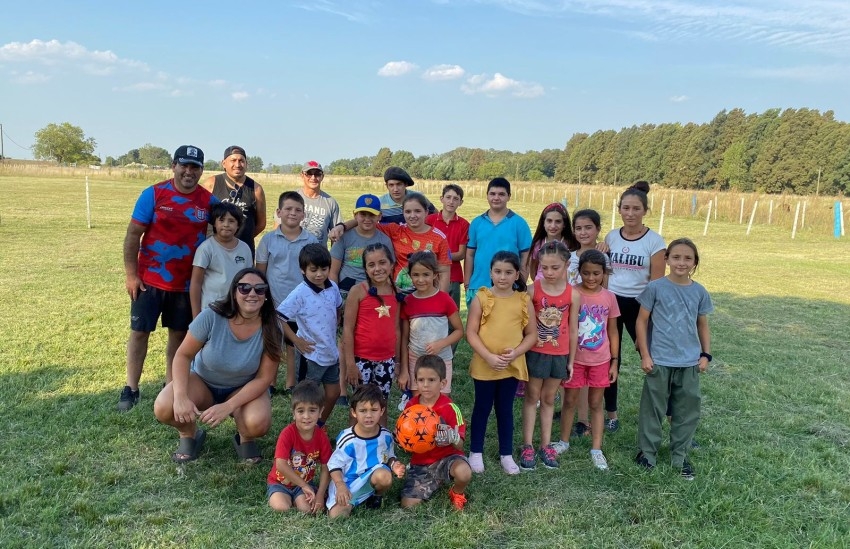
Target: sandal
<point>189,447</point>
<point>248,452</point>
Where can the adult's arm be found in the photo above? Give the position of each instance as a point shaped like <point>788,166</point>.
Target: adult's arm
<point>185,410</point>
<point>260,207</point>
<point>132,245</point>
<point>209,183</point>
<point>657,265</point>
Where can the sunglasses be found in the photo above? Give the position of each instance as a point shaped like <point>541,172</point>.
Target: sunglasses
<point>314,173</point>
<point>245,288</point>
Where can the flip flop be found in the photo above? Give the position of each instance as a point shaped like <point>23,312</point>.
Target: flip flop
<point>248,452</point>
<point>189,447</point>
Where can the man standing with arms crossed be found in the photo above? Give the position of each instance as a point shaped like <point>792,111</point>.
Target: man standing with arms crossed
<point>236,187</point>
<point>168,224</point>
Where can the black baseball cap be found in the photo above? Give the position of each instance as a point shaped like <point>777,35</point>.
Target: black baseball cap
<point>189,154</point>
<point>235,149</point>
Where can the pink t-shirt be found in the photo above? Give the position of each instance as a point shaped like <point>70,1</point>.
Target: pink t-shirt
<point>593,346</point>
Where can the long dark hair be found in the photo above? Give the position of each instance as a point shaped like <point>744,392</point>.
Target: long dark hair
<point>512,258</point>
<point>228,308</point>
<point>566,233</point>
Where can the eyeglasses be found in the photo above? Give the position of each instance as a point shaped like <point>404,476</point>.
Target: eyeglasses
<point>245,288</point>
<point>314,173</point>
<point>234,193</point>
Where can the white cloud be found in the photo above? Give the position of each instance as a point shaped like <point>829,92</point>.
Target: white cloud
<point>29,77</point>
<point>500,84</point>
<point>678,98</point>
<point>240,96</point>
<point>52,53</point>
<point>444,72</point>
<point>219,83</point>
<point>141,87</point>
<point>340,9</point>
<point>396,68</point>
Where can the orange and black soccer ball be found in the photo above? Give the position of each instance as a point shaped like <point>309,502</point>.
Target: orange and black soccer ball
<point>416,429</point>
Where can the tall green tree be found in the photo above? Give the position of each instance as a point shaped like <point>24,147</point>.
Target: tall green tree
<point>154,156</point>
<point>64,143</point>
<point>255,164</point>
<point>381,162</point>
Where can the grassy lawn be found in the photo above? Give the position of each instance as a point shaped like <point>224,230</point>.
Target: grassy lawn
<point>775,433</point>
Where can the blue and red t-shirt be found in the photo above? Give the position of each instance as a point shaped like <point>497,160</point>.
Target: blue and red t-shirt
<point>175,225</point>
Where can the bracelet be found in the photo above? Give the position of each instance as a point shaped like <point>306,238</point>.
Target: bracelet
<point>340,223</point>
<point>613,358</point>
<point>705,355</point>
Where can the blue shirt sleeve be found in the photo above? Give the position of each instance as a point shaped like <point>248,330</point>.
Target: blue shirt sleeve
<point>143,212</point>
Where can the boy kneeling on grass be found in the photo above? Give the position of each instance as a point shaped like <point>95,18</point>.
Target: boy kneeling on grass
<point>445,463</point>
<point>364,461</point>
<point>302,451</point>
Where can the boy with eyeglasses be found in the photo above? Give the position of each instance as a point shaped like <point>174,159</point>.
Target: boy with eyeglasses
<point>277,257</point>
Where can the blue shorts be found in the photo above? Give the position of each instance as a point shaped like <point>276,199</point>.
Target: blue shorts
<point>293,493</point>
<point>220,394</point>
<point>175,308</point>
<point>324,375</point>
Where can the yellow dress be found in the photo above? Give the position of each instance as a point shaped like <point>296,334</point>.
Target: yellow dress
<point>503,320</point>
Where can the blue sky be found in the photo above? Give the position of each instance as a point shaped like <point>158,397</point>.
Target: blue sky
<point>325,79</point>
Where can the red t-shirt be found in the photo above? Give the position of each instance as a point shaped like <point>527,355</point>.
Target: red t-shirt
<point>375,335</point>
<point>449,415</point>
<point>175,225</point>
<point>457,234</point>
<point>552,314</point>
<point>304,456</point>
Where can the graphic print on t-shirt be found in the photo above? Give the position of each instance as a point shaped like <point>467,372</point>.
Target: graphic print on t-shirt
<point>591,326</point>
<point>549,323</point>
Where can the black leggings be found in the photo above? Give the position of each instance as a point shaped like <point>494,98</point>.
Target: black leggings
<point>629,309</point>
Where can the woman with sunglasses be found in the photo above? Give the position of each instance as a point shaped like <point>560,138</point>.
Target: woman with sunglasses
<point>224,368</point>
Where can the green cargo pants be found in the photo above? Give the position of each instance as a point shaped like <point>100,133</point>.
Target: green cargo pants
<point>681,387</point>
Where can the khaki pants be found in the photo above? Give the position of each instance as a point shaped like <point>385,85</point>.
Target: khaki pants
<point>681,387</point>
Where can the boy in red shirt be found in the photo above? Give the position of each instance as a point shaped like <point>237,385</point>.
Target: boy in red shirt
<point>445,463</point>
<point>301,456</point>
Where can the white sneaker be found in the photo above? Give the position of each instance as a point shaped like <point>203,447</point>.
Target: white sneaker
<point>509,465</point>
<point>476,462</point>
<point>599,460</point>
<point>561,446</point>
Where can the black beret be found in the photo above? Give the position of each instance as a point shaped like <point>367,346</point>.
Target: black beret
<point>398,174</point>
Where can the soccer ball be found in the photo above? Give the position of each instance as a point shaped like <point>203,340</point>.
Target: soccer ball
<point>416,429</point>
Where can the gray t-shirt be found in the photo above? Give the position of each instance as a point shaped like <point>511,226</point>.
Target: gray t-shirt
<point>672,335</point>
<point>349,250</point>
<point>220,266</point>
<point>320,215</point>
<point>224,361</point>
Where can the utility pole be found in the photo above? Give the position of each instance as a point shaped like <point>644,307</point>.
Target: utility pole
<point>2,155</point>
<point>817,190</point>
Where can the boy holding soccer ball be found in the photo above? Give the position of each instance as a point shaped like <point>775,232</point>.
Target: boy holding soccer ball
<point>445,463</point>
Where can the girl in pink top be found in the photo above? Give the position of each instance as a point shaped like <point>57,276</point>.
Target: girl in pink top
<point>597,352</point>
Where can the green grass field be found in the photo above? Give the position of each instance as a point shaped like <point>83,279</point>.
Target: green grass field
<point>775,433</point>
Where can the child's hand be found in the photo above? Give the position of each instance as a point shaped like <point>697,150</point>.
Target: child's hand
<point>603,247</point>
<point>434,347</point>
<point>703,364</point>
<point>570,370</point>
<point>646,364</point>
<point>446,435</point>
<point>304,345</point>
<point>509,354</point>
<point>497,362</point>
<point>309,494</point>
<point>318,506</point>
<point>336,233</point>
<point>352,375</point>
<point>613,374</point>
<point>403,381</point>
<point>399,469</point>
<point>343,495</point>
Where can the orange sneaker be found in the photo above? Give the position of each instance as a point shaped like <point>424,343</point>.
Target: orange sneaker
<point>458,500</point>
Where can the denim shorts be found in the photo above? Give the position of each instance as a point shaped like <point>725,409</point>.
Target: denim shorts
<point>293,493</point>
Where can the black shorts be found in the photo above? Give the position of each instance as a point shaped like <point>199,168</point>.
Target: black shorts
<point>175,308</point>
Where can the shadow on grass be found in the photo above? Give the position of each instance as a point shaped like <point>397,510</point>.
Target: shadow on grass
<point>771,470</point>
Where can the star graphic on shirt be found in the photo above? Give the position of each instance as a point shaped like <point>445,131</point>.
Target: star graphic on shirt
<point>383,310</point>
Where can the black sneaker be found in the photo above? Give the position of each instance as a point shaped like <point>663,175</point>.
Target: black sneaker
<point>373,502</point>
<point>581,429</point>
<point>129,398</point>
<point>342,401</point>
<point>688,471</point>
<point>641,460</point>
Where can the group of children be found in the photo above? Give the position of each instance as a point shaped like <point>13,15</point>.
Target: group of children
<point>558,332</point>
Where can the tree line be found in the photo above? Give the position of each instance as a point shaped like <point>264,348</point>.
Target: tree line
<point>800,151</point>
